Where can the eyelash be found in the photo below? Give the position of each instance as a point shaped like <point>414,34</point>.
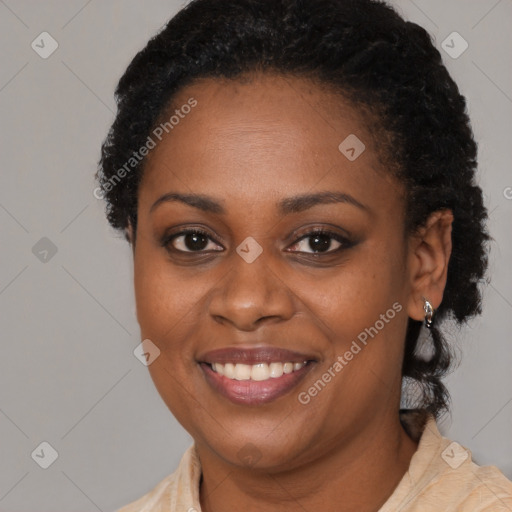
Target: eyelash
<point>345,242</point>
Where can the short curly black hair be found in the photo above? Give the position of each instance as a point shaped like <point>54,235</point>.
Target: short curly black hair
<point>373,58</point>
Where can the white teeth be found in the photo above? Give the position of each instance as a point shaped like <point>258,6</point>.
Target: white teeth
<point>229,370</point>
<point>257,372</point>
<point>260,372</point>
<point>287,367</point>
<point>276,370</point>
<point>219,368</point>
<point>242,372</point>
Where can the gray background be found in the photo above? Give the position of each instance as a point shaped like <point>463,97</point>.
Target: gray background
<point>68,375</point>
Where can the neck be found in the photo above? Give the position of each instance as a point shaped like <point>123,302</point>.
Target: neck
<point>359,476</point>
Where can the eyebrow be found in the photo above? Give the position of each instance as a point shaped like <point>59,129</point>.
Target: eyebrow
<point>294,204</point>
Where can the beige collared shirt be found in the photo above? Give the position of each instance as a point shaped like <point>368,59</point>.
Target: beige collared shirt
<point>441,478</point>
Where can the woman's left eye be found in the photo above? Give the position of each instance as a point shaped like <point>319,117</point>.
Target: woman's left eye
<point>319,242</point>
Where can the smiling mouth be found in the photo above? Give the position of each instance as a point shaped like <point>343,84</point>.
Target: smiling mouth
<point>254,376</point>
<point>256,372</point>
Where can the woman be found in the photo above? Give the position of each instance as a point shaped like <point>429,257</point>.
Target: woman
<point>296,179</point>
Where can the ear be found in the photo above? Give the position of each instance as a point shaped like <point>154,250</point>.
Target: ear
<point>429,254</point>
<point>129,234</point>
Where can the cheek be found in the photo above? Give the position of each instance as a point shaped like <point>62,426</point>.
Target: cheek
<point>167,315</point>
<point>153,298</point>
<point>164,300</point>
<point>171,304</point>
<point>363,305</point>
<point>353,296</point>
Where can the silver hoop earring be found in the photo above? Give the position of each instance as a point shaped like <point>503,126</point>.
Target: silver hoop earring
<point>429,313</point>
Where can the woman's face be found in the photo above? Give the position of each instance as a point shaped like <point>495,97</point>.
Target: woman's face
<point>250,162</point>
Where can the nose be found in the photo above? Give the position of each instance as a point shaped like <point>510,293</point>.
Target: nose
<point>251,294</point>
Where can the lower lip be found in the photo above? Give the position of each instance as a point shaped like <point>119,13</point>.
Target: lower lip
<point>252,392</point>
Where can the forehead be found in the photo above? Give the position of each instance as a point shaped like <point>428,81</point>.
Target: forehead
<point>261,136</point>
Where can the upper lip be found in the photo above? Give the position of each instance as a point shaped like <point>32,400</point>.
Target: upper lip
<point>254,355</point>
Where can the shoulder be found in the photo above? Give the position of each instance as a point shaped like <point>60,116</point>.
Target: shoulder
<point>153,500</point>
<point>467,487</point>
<point>484,488</point>
<point>443,476</point>
<point>178,491</point>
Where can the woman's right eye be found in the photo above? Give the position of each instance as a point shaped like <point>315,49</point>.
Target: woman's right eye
<point>192,240</point>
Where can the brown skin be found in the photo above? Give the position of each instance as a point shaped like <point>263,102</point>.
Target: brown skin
<point>250,144</point>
